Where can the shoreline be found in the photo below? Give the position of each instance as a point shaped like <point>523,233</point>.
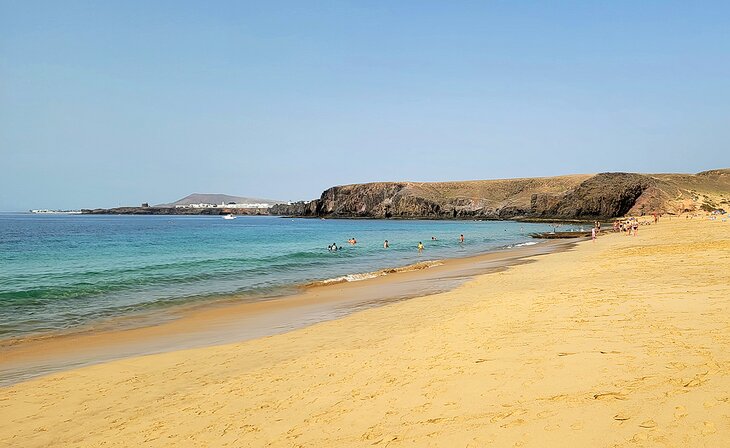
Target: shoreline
<point>213,212</point>
<point>618,342</point>
<point>226,320</point>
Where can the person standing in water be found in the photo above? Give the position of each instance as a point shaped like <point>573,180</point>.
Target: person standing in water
<point>420,247</point>
<point>461,238</point>
<point>386,244</point>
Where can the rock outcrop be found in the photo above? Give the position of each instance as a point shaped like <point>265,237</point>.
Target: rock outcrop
<point>599,196</point>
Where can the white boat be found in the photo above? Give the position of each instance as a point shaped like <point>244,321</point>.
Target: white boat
<point>229,216</point>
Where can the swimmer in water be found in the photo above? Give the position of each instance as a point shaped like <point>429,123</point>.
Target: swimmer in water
<point>420,247</point>
<point>461,238</point>
<point>386,244</point>
<point>433,238</point>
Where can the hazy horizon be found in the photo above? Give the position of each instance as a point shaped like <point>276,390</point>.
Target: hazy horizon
<point>107,105</point>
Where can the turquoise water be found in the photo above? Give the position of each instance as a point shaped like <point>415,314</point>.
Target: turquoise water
<point>61,271</point>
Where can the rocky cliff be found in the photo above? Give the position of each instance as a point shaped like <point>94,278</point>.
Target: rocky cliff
<point>604,195</point>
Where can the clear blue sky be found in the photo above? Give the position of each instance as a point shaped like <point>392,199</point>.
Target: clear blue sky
<point>108,103</point>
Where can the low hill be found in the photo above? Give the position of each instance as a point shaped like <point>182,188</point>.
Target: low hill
<point>208,198</point>
<point>585,196</point>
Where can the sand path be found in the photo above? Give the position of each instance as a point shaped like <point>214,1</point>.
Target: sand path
<point>622,342</point>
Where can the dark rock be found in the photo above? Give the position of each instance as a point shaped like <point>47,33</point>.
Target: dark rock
<point>579,197</point>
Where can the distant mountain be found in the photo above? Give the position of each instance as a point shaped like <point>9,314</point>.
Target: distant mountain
<point>208,198</point>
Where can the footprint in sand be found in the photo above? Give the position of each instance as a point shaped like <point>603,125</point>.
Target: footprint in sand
<point>709,428</point>
<point>516,422</point>
<point>546,414</point>
<point>577,426</point>
<point>621,417</point>
<point>680,412</point>
<point>609,395</point>
<point>501,416</point>
<point>648,424</point>
<point>695,382</point>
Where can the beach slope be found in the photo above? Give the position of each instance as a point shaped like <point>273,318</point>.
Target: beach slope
<point>621,342</point>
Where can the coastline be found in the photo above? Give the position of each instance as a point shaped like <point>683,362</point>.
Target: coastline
<point>228,319</point>
<point>621,342</point>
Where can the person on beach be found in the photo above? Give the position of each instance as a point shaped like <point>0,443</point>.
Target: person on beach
<point>386,244</point>
<point>593,234</point>
<point>461,238</point>
<point>636,227</point>
<point>420,247</point>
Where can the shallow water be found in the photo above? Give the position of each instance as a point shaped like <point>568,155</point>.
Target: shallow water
<point>62,271</point>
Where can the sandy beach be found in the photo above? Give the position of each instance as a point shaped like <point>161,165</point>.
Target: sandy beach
<point>237,318</point>
<point>621,342</point>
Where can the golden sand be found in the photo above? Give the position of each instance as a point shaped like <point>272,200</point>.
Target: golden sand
<point>621,342</point>
<point>238,318</point>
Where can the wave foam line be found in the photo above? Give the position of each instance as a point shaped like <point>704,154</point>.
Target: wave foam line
<point>374,274</point>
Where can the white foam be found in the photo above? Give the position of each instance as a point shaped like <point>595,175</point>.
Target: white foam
<point>352,277</point>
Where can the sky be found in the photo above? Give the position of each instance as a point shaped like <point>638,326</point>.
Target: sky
<point>118,103</point>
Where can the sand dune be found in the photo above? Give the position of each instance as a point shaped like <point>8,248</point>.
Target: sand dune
<point>622,342</point>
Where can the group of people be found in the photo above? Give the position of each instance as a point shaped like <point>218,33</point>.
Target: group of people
<point>629,226</point>
<point>352,241</point>
<point>333,247</point>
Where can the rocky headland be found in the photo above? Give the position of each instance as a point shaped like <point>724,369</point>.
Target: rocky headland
<point>574,197</point>
<point>174,211</point>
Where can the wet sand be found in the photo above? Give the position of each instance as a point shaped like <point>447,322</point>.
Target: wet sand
<point>238,318</point>
<point>622,342</point>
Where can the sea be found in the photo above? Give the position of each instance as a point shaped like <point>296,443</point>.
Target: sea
<point>61,272</point>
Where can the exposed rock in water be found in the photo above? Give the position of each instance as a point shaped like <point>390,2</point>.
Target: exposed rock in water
<point>599,196</point>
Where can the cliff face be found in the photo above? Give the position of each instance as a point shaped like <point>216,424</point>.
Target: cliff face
<point>604,195</point>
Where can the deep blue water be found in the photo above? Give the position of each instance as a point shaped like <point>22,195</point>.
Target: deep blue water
<point>61,271</point>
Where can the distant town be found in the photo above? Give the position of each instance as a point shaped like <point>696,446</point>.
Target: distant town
<point>46,211</point>
<point>223,205</point>
<point>194,204</point>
